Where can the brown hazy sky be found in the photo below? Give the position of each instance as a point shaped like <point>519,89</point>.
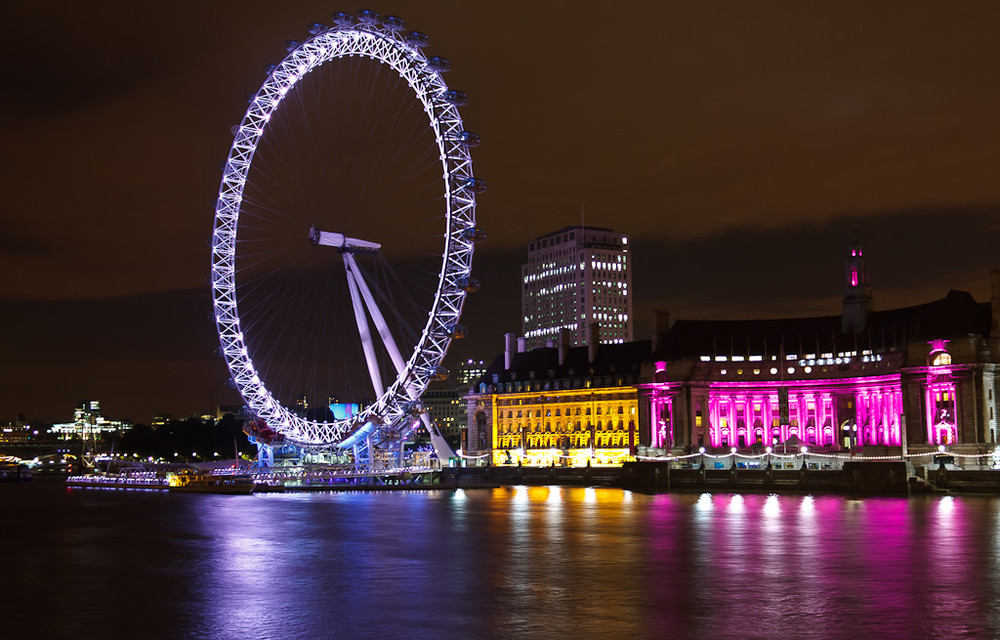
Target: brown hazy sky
<point>739,143</point>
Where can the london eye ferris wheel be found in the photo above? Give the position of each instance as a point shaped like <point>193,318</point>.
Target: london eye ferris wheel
<point>344,233</point>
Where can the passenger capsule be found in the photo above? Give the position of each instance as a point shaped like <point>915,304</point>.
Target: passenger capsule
<point>475,234</point>
<point>367,16</point>
<point>468,138</point>
<point>394,23</point>
<point>269,69</point>
<point>342,19</point>
<point>414,408</point>
<point>440,373</point>
<point>439,64</point>
<point>317,28</point>
<point>467,284</point>
<point>455,97</point>
<point>292,45</point>
<point>418,38</point>
<point>455,331</point>
<point>475,185</point>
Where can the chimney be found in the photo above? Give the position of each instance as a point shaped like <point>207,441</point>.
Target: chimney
<point>564,334</point>
<point>509,342</point>
<point>522,345</point>
<point>661,325</point>
<point>995,302</point>
<point>593,339</point>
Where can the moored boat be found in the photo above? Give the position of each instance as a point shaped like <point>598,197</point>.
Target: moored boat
<point>134,480</point>
<point>194,481</point>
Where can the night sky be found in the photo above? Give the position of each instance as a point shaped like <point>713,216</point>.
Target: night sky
<point>740,144</point>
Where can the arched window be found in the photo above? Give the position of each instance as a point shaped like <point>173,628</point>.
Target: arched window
<point>940,358</point>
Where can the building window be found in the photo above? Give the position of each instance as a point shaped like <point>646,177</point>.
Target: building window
<point>941,358</point>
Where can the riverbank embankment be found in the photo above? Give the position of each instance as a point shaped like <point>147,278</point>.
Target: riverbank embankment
<point>854,478</point>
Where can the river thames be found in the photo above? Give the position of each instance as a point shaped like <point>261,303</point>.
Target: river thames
<point>520,562</point>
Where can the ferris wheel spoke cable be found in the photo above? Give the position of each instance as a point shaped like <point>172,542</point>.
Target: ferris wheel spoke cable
<point>403,300</point>
<point>398,151</point>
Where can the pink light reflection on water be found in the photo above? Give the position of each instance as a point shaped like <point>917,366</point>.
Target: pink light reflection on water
<point>823,567</point>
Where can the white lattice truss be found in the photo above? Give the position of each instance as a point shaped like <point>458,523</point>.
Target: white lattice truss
<point>389,413</point>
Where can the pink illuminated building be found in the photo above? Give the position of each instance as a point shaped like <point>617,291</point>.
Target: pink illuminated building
<point>887,382</point>
<point>920,376</point>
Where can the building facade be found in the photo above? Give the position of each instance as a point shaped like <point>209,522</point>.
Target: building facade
<point>574,277</point>
<point>558,406</point>
<point>913,378</point>
<point>88,422</point>
<point>876,382</point>
<point>469,372</point>
<point>447,409</point>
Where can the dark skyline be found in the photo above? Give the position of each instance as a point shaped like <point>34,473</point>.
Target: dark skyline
<point>739,145</point>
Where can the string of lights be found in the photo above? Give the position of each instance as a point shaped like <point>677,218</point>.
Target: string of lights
<point>804,452</point>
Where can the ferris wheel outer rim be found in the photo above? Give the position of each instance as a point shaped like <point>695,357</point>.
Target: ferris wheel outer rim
<point>445,121</point>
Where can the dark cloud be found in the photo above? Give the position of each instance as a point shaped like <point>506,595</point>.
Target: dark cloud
<point>15,242</point>
<point>739,144</point>
<point>139,354</point>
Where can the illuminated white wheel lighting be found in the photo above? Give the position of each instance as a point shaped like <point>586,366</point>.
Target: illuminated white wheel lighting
<point>393,407</point>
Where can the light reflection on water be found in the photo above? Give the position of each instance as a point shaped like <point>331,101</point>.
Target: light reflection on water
<point>521,562</point>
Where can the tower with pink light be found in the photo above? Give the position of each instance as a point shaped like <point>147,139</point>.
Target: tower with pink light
<point>922,376</point>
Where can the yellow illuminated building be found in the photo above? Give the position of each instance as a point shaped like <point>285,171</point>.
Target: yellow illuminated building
<point>558,406</point>
<point>569,428</point>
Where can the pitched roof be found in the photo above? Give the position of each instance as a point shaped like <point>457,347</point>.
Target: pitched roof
<point>543,363</point>
<point>957,313</point>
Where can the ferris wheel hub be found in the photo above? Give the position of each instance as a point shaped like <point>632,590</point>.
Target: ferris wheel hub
<point>343,243</point>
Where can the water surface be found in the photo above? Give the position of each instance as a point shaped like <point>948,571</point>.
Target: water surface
<point>521,562</point>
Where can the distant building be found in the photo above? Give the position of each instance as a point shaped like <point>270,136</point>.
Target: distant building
<point>574,277</point>
<point>301,405</point>
<point>238,411</point>
<point>469,373</point>
<point>161,420</point>
<point>446,408</point>
<point>17,432</point>
<point>89,422</point>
